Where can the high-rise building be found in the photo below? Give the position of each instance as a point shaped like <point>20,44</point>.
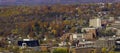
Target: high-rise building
<point>95,22</point>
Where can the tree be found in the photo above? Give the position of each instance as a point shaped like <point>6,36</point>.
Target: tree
<point>14,31</point>
<point>60,50</point>
<point>36,28</point>
<point>104,32</point>
<point>111,52</point>
<point>54,32</point>
<point>104,50</point>
<point>81,21</point>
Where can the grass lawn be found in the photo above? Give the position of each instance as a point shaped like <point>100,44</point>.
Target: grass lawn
<point>117,52</point>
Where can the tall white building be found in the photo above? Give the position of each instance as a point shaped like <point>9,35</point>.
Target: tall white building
<point>95,22</point>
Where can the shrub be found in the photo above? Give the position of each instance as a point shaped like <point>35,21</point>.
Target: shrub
<point>60,50</point>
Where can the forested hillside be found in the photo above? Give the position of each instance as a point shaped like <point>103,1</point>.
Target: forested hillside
<point>50,20</point>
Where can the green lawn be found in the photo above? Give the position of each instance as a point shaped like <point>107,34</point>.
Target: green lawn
<point>117,52</point>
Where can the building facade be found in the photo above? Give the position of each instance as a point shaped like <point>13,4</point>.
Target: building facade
<point>89,33</point>
<point>95,22</point>
<point>105,42</point>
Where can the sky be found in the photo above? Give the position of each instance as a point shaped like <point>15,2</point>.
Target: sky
<point>5,2</point>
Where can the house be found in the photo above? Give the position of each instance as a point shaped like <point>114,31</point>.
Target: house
<point>28,43</point>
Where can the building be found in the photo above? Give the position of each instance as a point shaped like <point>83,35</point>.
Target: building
<point>95,22</point>
<point>105,42</point>
<point>111,19</point>
<point>72,36</point>
<point>76,37</point>
<point>86,44</point>
<point>28,43</point>
<point>118,32</point>
<point>89,33</point>
<point>117,44</point>
<point>104,22</point>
